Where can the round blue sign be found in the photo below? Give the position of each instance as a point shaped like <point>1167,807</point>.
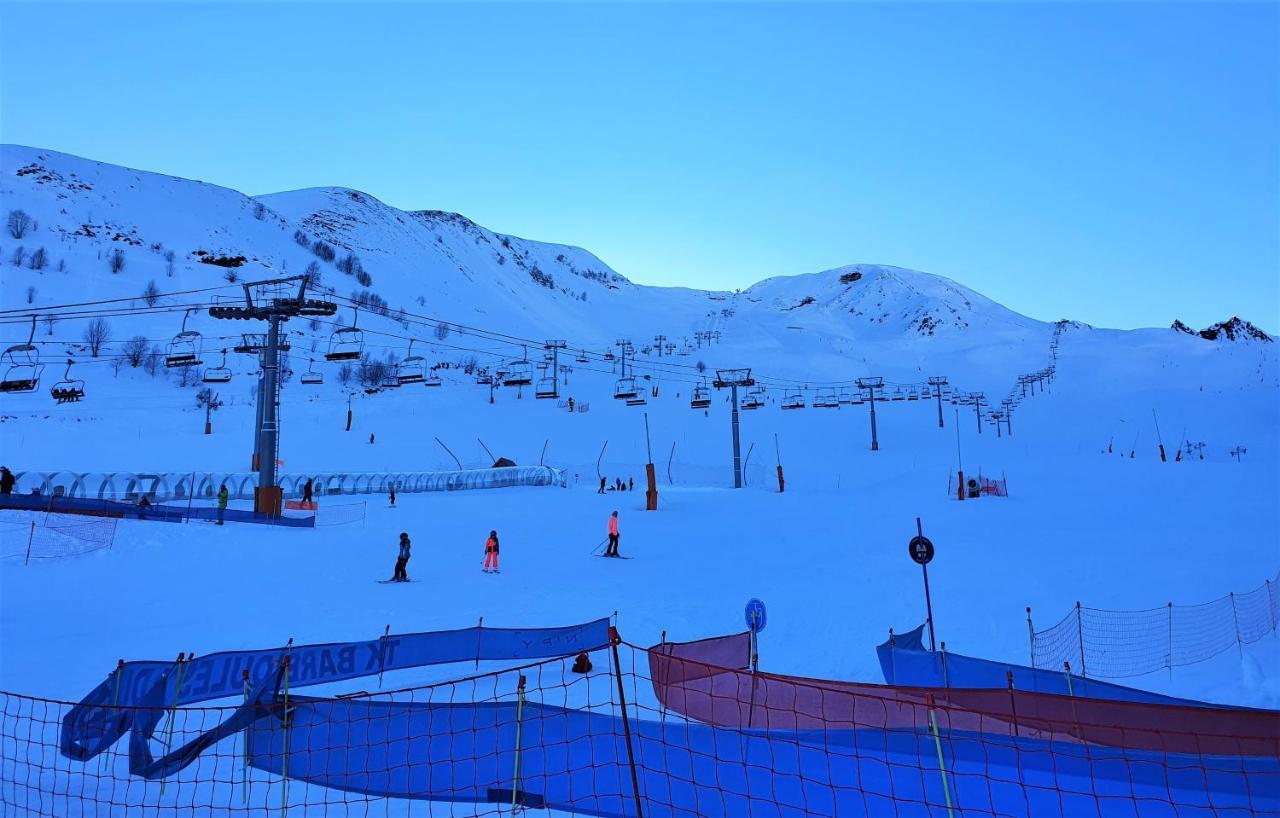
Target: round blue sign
<point>755,615</point>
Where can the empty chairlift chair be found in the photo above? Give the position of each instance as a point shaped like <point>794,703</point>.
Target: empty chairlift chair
<point>483,378</point>
<point>68,390</point>
<point>413,369</point>
<point>433,380</point>
<point>519,373</point>
<point>546,388</point>
<point>701,398</point>
<point>826,399</point>
<point>184,349</point>
<point>625,388</point>
<point>582,357</point>
<point>391,380</point>
<point>218,374</point>
<point>346,343</point>
<point>22,366</point>
<point>793,399</point>
<point>312,377</point>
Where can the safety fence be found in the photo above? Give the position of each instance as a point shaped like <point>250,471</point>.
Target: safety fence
<point>132,486</point>
<point>977,485</point>
<point>40,536</point>
<point>618,730</point>
<point>341,514</point>
<point>1116,644</point>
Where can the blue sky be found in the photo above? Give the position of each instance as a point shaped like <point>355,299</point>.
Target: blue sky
<point>1116,163</point>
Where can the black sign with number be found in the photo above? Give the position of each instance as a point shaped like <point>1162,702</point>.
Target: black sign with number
<point>920,549</point>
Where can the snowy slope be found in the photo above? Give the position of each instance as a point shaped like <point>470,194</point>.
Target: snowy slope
<point>826,555</point>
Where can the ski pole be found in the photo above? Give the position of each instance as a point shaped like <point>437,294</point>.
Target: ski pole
<point>598,545</point>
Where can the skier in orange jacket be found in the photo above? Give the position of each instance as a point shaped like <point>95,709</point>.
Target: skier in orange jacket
<point>612,549</point>
<point>491,552</point>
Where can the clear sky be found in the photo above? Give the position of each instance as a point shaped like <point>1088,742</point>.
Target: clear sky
<point>1115,163</point>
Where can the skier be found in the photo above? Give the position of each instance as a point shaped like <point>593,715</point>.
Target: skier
<point>392,495</point>
<point>223,497</point>
<point>491,552</point>
<point>371,438</point>
<point>631,484</point>
<point>307,489</point>
<point>7,480</point>
<point>403,560</point>
<point>601,491</point>
<point>612,549</point>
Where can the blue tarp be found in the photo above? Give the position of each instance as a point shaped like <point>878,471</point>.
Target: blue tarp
<point>98,720</point>
<point>577,761</point>
<point>132,511</point>
<point>905,661</point>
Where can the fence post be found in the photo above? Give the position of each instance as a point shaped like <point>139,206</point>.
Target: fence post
<point>30,539</point>
<point>1080,637</point>
<point>942,764</point>
<point>1235,619</point>
<point>515,776</point>
<point>1031,635</point>
<point>626,723</point>
<point>284,761</point>
<point>1169,655</point>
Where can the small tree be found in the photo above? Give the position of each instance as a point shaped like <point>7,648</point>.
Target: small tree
<point>441,331</point>
<point>96,334</point>
<point>19,255</point>
<point>168,263</point>
<point>38,259</point>
<point>364,278</point>
<point>259,211</point>
<point>62,265</point>
<point>313,274</point>
<point>31,295</point>
<point>324,250</point>
<point>151,361</point>
<point>344,374</point>
<point>19,223</point>
<point>301,238</point>
<point>115,261</point>
<point>48,325</point>
<point>702,366</point>
<point>135,350</point>
<point>231,276</point>
<point>151,295</point>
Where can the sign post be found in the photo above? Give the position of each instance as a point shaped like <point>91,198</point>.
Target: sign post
<point>756,619</point>
<point>921,550</point>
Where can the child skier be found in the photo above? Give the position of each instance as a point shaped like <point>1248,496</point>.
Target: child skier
<point>491,552</point>
<point>403,560</point>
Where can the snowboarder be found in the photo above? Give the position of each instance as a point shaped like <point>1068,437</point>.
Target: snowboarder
<point>392,495</point>
<point>7,480</point>
<point>223,497</point>
<point>307,489</point>
<point>612,549</point>
<point>491,552</point>
<point>402,560</point>
<point>601,491</point>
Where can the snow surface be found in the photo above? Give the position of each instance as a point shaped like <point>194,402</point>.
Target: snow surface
<point>827,556</point>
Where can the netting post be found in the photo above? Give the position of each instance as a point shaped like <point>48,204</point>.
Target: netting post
<point>1013,704</point>
<point>382,654</point>
<point>1066,672</point>
<point>284,760</point>
<point>30,539</point>
<point>1031,636</point>
<point>173,713</point>
<point>1080,637</point>
<point>1235,619</point>
<point>244,681</point>
<point>614,639</point>
<point>942,764</point>
<point>479,636</point>
<point>945,682</point>
<point>515,776</point>
<point>1169,655</point>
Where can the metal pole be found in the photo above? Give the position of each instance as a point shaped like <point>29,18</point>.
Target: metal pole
<point>626,723</point>
<point>268,437</point>
<point>875,443</point>
<point>977,412</point>
<point>939,393</point>
<point>737,450</point>
<point>928,601</point>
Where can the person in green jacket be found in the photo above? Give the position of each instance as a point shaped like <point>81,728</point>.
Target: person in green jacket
<point>223,497</point>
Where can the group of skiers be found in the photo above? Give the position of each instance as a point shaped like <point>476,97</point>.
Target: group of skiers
<point>400,573</point>
<point>618,485</point>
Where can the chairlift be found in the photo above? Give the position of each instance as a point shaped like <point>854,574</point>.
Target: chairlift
<point>826,399</point>
<point>24,367</point>
<point>898,395</point>
<point>391,380</point>
<point>793,399</point>
<point>67,390</point>
<point>312,376</point>
<point>912,394</point>
<point>483,378</point>
<point>701,398</point>
<point>218,374</point>
<point>433,380</point>
<point>519,373</point>
<point>413,369</point>
<point>546,388</point>
<point>846,397</point>
<point>184,349</point>
<point>625,388</point>
<point>609,356</point>
<point>582,357</point>
<point>637,400</point>
<point>754,398</point>
<point>346,343</point>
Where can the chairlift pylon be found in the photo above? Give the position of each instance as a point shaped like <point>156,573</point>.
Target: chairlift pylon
<point>218,374</point>
<point>184,349</point>
<point>24,367</point>
<point>68,390</point>
<point>346,343</point>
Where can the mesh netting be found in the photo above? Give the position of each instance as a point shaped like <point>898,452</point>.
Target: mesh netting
<point>625,731</point>
<point>1116,644</point>
<point>35,536</point>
